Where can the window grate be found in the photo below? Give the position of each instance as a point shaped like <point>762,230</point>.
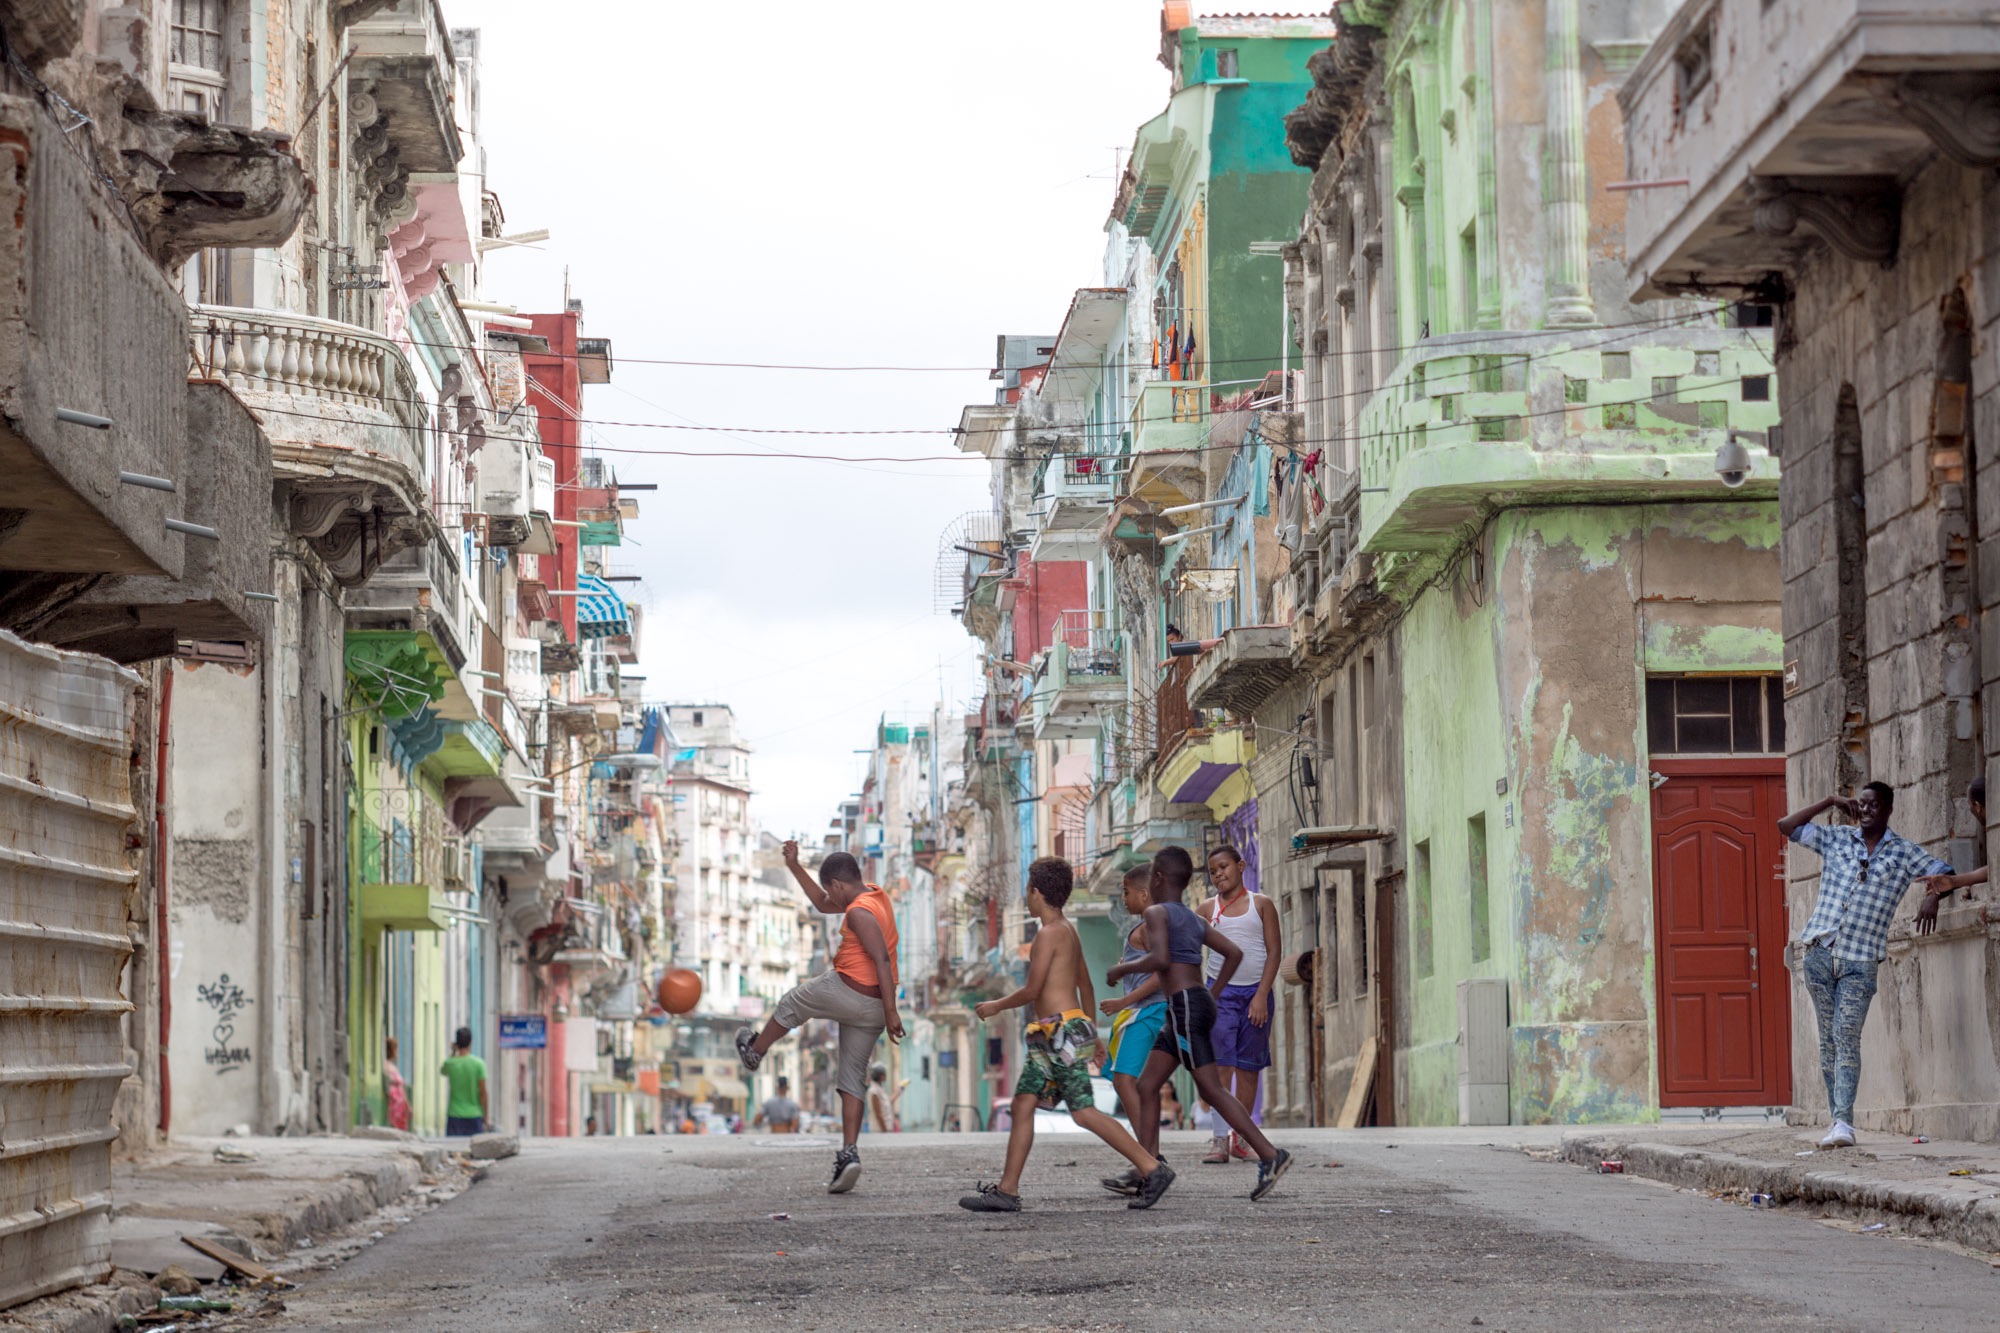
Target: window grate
<point>1715,715</point>
<point>196,33</point>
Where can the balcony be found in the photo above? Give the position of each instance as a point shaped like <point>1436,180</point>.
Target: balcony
<point>1250,665</point>
<point>405,82</point>
<point>346,421</point>
<point>1073,498</point>
<point>1472,423</point>
<point>1169,430</point>
<point>421,589</point>
<point>1793,123</point>
<point>1083,675</point>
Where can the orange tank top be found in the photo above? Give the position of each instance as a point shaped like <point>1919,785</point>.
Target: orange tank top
<point>852,961</point>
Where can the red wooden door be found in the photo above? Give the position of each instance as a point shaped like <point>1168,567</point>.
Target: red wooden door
<point>1719,933</point>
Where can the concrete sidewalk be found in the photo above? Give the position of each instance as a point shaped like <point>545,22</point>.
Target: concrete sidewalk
<point>280,1201</point>
<point>1883,1178</point>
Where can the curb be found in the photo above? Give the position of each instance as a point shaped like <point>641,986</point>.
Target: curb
<point>1967,1215</point>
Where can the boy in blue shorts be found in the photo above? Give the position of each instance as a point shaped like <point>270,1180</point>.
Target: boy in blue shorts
<point>1136,1018</point>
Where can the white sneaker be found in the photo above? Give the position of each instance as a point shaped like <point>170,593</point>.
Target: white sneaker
<point>1840,1136</point>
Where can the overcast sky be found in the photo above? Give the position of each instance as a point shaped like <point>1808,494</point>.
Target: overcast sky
<point>879,182</point>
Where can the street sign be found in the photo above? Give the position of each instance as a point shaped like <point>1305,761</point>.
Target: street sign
<point>523,1032</point>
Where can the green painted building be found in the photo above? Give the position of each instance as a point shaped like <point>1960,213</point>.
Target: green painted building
<point>1564,911</point>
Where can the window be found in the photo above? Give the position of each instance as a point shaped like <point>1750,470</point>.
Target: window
<point>1476,888</point>
<point>1715,715</point>
<point>1468,276</point>
<point>1225,63</point>
<point>1327,976</point>
<point>1756,388</point>
<point>1420,909</point>
<point>197,34</point>
<point>1694,64</point>
<point>1360,905</point>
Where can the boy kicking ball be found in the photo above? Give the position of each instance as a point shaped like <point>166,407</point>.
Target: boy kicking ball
<point>1059,1040</point>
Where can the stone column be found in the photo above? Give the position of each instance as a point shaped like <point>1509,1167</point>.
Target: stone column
<point>1566,185</point>
<point>1486,224</point>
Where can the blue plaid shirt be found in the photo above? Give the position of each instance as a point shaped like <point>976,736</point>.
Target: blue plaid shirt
<point>1858,892</point>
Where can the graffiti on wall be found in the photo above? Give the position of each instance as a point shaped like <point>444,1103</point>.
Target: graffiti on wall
<point>228,1001</point>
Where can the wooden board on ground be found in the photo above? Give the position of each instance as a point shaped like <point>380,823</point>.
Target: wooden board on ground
<point>229,1258</point>
<point>1358,1090</point>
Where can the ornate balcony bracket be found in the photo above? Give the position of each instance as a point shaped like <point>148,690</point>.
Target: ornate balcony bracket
<point>1861,221</point>
<point>1959,112</point>
<point>353,528</point>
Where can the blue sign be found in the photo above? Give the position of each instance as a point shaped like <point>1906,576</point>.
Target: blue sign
<point>524,1032</point>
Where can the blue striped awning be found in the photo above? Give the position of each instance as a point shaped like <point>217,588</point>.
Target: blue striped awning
<point>600,611</point>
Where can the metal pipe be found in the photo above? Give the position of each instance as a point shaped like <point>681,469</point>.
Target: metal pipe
<point>76,418</point>
<point>193,530</point>
<point>1172,510</point>
<point>141,479</point>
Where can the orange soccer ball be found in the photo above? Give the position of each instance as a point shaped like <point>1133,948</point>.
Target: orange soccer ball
<point>680,991</point>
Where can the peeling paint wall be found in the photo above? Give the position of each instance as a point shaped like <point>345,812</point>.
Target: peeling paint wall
<point>1528,714</point>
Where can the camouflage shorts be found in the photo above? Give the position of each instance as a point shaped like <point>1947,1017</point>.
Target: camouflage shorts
<point>1054,1070</point>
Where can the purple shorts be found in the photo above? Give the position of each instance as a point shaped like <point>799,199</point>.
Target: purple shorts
<point>1239,1043</point>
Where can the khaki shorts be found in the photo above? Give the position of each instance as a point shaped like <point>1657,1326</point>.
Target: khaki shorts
<point>859,1016</point>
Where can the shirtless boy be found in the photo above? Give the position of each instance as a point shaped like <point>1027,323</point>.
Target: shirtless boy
<point>1136,1019</point>
<point>859,994</point>
<point>1176,937</point>
<point>1059,1039</point>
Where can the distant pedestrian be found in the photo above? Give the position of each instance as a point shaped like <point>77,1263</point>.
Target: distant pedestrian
<point>590,1126</point>
<point>1242,1011</point>
<point>779,1112</point>
<point>1060,1038</point>
<point>1170,1106</point>
<point>395,1092</point>
<point>1175,938</point>
<point>859,994</point>
<point>465,1076</point>
<point>1864,873</point>
<point>882,1102</point>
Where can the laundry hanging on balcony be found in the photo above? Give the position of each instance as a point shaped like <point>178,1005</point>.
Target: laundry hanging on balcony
<point>600,611</point>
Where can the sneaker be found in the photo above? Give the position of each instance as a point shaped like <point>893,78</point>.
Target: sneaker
<point>1240,1150</point>
<point>746,1048</point>
<point>1218,1151</point>
<point>1840,1136</point>
<point>991,1199</point>
<point>1130,1182</point>
<point>1154,1187</point>
<point>1268,1173</point>
<point>846,1170</point>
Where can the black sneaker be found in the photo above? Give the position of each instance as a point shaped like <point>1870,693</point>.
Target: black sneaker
<point>991,1199</point>
<point>1268,1173</point>
<point>746,1048</point>
<point>1127,1184</point>
<point>1130,1182</point>
<point>846,1170</point>
<point>1154,1187</point>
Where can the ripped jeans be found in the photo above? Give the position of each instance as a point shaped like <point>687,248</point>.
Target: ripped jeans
<point>1841,990</point>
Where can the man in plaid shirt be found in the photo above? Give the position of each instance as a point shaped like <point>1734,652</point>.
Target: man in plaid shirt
<point>1864,873</point>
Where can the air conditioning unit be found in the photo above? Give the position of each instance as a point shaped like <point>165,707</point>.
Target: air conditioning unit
<point>503,490</point>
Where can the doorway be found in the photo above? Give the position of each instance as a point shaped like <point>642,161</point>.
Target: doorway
<point>1719,930</point>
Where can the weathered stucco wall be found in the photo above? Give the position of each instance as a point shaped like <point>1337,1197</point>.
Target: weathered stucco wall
<point>1529,715</point>
<point>1887,379</point>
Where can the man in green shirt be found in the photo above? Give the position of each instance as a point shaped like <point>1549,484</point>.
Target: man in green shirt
<point>465,1075</point>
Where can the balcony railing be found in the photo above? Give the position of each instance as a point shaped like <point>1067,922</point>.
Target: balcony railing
<point>327,382</point>
<point>1475,419</point>
<point>1173,718</point>
<point>1169,415</point>
<point>1092,649</point>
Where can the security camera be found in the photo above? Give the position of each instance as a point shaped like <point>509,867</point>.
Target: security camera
<point>1732,462</point>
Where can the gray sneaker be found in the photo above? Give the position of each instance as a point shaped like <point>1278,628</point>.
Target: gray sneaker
<point>1154,1187</point>
<point>746,1048</point>
<point>846,1170</point>
<point>991,1199</point>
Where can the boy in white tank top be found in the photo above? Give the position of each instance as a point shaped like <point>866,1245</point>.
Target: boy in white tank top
<point>1243,1011</point>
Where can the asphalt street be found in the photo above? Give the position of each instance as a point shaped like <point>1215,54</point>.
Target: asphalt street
<point>1415,1229</point>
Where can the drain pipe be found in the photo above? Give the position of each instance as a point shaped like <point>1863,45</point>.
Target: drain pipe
<point>161,951</point>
